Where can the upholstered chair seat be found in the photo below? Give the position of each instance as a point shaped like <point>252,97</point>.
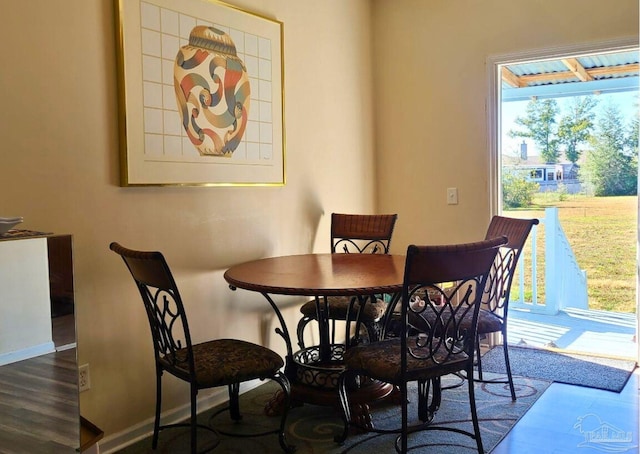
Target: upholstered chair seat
<point>488,322</point>
<point>223,362</point>
<point>382,360</point>
<point>339,306</point>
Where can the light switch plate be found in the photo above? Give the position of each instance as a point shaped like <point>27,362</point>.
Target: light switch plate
<point>452,196</point>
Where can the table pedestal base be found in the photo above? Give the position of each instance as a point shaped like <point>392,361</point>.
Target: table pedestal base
<point>360,399</point>
<point>315,381</point>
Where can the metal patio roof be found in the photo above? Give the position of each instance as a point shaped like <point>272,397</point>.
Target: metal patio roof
<point>575,76</point>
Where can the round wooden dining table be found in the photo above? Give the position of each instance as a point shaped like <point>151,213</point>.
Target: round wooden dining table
<point>320,276</point>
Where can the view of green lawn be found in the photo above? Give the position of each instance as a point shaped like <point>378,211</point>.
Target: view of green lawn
<point>603,234</point>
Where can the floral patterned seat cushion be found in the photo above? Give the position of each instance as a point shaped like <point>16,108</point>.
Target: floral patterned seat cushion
<point>226,361</point>
<point>338,306</point>
<point>381,360</point>
<point>488,322</point>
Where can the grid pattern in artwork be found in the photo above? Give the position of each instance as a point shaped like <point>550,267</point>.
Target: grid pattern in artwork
<point>164,31</point>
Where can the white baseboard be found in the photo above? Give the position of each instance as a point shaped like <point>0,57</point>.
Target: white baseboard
<point>115,442</point>
<point>27,353</point>
<point>61,348</point>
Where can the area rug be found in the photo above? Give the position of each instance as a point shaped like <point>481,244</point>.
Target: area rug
<point>573,369</point>
<point>312,428</point>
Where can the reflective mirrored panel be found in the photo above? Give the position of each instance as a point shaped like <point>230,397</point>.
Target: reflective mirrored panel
<point>38,370</point>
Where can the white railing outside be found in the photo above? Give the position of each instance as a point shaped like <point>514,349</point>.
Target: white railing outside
<point>565,283</point>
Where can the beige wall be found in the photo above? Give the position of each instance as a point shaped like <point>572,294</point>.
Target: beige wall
<point>59,139</point>
<point>58,135</point>
<point>430,90</point>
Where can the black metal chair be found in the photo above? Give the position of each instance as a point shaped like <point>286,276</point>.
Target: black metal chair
<point>443,348</point>
<point>353,234</point>
<point>220,362</point>
<point>495,305</point>
<point>492,317</point>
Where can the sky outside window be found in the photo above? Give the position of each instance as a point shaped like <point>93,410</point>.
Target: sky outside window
<point>627,102</point>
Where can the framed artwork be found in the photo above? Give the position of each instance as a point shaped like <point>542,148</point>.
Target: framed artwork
<point>200,94</point>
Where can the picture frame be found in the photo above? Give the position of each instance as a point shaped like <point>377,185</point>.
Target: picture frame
<point>200,94</point>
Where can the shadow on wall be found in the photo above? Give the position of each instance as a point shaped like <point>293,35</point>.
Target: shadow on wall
<point>312,212</point>
<point>253,234</point>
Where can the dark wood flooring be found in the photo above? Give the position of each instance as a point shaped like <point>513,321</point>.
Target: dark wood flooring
<point>64,331</point>
<point>39,399</point>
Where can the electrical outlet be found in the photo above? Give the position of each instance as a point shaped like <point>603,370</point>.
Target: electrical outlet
<point>84,380</point>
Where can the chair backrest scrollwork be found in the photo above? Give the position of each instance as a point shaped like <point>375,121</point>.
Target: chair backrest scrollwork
<point>454,278</point>
<point>164,308</point>
<point>498,289</point>
<point>362,233</point>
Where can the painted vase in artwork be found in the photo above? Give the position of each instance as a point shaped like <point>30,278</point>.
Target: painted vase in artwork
<point>212,91</point>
